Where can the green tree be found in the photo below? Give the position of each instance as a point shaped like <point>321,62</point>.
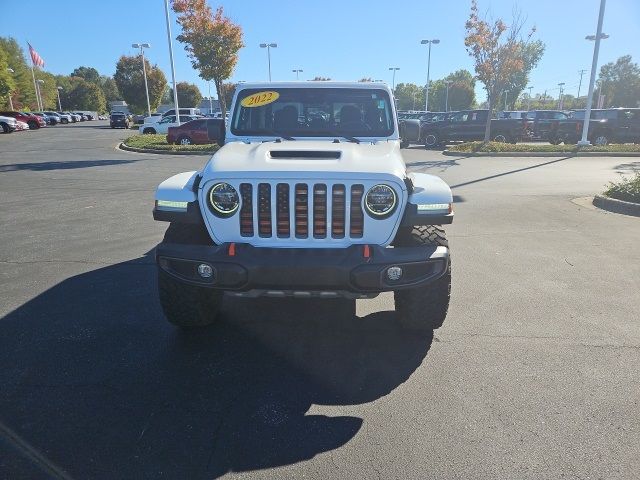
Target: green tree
<point>109,89</point>
<point>462,94</point>
<point>188,95</point>
<point>229,90</point>
<point>531,54</point>
<point>83,95</point>
<point>320,79</point>
<point>89,74</point>
<point>409,96</point>
<point>24,95</point>
<point>211,40</point>
<point>130,82</point>
<point>7,83</point>
<point>619,82</point>
<point>498,51</point>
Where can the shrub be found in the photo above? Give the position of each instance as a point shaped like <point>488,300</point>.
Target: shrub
<point>627,189</point>
<point>159,142</point>
<point>497,147</point>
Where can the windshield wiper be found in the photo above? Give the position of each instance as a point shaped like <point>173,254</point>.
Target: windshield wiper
<point>276,134</point>
<point>346,137</point>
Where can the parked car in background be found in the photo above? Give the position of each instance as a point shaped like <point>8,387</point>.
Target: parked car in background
<point>411,126</point>
<point>21,126</point>
<point>119,120</point>
<point>155,117</point>
<point>198,132</point>
<point>139,119</point>
<point>64,118</point>
<point>8,124</point>
<point>163,125</point>
<point>74,116</point>
<point>539,123</point>
<point>102,117</point>
<point>611,125</point>
<point>50,119</point>
<point>32,121</point>
<point>183,111</point>
<point>469,125</point>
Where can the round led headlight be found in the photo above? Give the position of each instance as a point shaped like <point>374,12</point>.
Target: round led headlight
<point>223,199</point>
<point>380,200</point>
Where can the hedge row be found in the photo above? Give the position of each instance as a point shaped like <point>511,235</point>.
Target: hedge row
<point>159,142</point>
<point>498,147</point>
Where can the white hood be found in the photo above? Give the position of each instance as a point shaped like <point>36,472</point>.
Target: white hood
<point>302,156</point>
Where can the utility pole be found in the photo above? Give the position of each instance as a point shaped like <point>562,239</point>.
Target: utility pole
<point>561,84</point>
<point>59,102</point>
<point>446,98</point>
<point>10,70</point>
<point>581,72</point>
<point>142,46</point>
<point>505,100</point>
<point>529,102</point>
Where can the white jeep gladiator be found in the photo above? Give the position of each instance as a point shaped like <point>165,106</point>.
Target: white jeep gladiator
<point>308,197</point>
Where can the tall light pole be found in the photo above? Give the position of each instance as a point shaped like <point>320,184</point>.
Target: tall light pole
<point>529,101</point>
<point>39,92</point>
<point>506,92</point>
<point>10,70</point>
<point>58,93</point>
<point>594,66</point>
<point>297,71</point>
<point>446,98</point>
<point>142,46</point>
<point>561,84</point>
<point>581,72</point>
<point>269,46</point>
<point>395,69</point>
<point>435,41</point>
<point>173,67</point>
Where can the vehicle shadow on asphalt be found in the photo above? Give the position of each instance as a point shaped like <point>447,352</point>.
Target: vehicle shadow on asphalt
<point>95,380</point>
<point>627,168</point>
<point>68,165</point>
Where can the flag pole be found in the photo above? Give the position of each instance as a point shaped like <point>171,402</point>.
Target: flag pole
<point>33,75</point>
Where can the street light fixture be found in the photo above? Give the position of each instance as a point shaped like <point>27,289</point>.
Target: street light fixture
<point>58,93</point>
<point>297,71</point>
<point>269,46</point>
<point>39,94</point>
<point>395,69</point>
<point>594,66</point>
<point>173,65</point>
<point>10,70</point>
<point>435,41</point>
<point>142,46</point>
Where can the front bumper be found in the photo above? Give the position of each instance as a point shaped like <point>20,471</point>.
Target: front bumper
<point>244,268</point>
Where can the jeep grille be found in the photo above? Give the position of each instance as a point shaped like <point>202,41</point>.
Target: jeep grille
<point>310,212</point>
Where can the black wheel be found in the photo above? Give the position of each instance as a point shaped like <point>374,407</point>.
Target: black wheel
<point>570,140</point>
<point>184,305</point>
<point>33,125</point>
<point>184,141</point>
<point>423,308</point>
<point>431,140</point>
<point>554,140</point>
<point>148,131</point>
<point>404,144</point>
<point>500,137</point>
<point>64,121</point>
<point>601,138</point>
<point>5,127</point>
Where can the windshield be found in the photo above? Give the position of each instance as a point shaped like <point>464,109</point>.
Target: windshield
<point>313,112</point>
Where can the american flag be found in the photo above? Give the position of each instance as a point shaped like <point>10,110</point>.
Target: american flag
<point>35,58</point>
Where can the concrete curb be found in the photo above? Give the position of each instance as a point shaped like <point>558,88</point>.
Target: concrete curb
<point>540,154</point>
<point>617,206</point>
<point>127,148</point>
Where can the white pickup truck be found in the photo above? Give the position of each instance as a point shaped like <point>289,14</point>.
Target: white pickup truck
<point>308,197</point>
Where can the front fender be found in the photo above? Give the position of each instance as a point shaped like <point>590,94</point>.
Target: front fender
<point>430,202</point>
<point>177,200</point>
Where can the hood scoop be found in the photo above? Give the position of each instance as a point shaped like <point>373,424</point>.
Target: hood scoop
<point>302,154</point>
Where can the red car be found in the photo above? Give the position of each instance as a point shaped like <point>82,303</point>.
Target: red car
<point>33,121</point>
<point>198,132</point>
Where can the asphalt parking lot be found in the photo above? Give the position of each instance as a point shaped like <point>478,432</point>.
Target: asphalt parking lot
<point>535,374</point>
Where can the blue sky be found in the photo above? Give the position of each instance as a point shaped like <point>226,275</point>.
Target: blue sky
<point>344,40</point>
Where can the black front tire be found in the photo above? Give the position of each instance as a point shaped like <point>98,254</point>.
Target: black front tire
<point>187,306</point>
<point>431,140</point>
<point>423,308</point>
<point>404,143</point>
<point>5,128</point>
<point>148,131</point>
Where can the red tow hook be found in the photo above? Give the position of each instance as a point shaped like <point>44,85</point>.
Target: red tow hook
<point>232,250</point>
<point>366,252</point>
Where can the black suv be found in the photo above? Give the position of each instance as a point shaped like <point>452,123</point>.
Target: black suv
<point>611,125</point>
<point>119,119</point>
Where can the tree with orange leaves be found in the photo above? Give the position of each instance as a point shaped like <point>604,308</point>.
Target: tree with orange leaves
<point>500,54</point>
<point>211,40</point>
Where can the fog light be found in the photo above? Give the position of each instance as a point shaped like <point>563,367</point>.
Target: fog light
<point>394,273</point>
<point>205,271</point>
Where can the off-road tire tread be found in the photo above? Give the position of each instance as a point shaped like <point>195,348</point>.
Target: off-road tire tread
<point>423,308</point>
